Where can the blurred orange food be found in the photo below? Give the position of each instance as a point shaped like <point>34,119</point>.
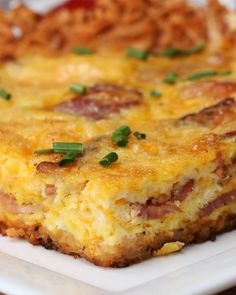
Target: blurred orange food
<point>115,25</point>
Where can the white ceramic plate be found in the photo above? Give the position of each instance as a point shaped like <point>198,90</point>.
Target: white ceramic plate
<point>198,269</point>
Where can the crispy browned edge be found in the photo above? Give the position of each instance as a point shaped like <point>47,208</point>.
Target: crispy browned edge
<point>130,251</point>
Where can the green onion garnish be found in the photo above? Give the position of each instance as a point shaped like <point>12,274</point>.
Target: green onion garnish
<point>156,93</point>
<point>69,157</point>
<point>78,88</point>
<point>207,74</point>
<point>64,147</point>
<point>139,135</point>
<point>108,159</point>
<point>82,50</point>
<point>4,94</point>
<point>120,136</point>
<point>173,52</point>
<point>195,49</point>
<point>44,151</point>
<point>70,150</point>
<point>171,78</point>
<point>136,53</point>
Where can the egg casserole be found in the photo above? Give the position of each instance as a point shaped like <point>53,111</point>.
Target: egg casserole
<point>118,158</point>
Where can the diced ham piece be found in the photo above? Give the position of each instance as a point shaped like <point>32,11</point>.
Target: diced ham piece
<point>211,114</point>
<point>214,89</point>
<point>8,201</point>
<point>184,192</point>
<point>50,190</point>
<point>222,169</point>
<point>101,101</point>
<point>223,199</point>
<point>155,211</point>
<point>47,167</point>
<point>229,134</point>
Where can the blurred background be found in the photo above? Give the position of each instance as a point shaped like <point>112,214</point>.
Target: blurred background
<point>45,5</point>
<point>48,4</point>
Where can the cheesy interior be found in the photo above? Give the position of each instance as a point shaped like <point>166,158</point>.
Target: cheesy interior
<point>93,203</point>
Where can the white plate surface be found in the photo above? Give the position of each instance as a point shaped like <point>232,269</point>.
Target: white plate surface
<point>198,269</point>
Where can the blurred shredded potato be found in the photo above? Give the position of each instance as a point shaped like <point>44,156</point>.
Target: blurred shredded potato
<point>115,25</point>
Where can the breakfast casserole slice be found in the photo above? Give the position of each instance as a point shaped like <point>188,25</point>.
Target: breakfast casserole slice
<point>118,143</point>
<point>118,198</point>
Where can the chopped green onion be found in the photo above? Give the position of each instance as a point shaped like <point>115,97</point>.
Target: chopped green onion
<point>120,136</point>
<point>156,93</point>
<point>136,53</point>
<point>78,88</point>
<point>69,157</point>
<point>124,130</point>
<point>139,135</point>
<point>4,94</point>
<point>121,141</point>
<point>108,159</point>
<point>64,147</point>
<point>173,52</point>
<point>82,50</point>
<point>43,151</point>
<point>171,78</point>
<point>207,74</point>
<point>196,49</point>
<point>70,150</point>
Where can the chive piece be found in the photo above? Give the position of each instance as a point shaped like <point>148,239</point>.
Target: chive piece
<point>139,135</point>
<point>196,49</point>
<point>82,50</point>
<point>173,52</point>
<point>108,159</point>
<point>4,94</point>
<point>171,78</point>
<point>78,88</point>
<point>121,141</point>
<point>65,147</point>
<point>44,151</point>
<point>120,136</point>
<point>136,53</point>
<point>156,93</point>
<point>105,163</point>
<point>69,157</point>
<point>124,130</point>
<point>70,150</point>
<point>200,75</point>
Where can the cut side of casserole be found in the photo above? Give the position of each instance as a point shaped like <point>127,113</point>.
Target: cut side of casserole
<point>177,184</point>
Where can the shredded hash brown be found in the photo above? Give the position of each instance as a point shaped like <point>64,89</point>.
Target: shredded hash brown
<point>115,25</point>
